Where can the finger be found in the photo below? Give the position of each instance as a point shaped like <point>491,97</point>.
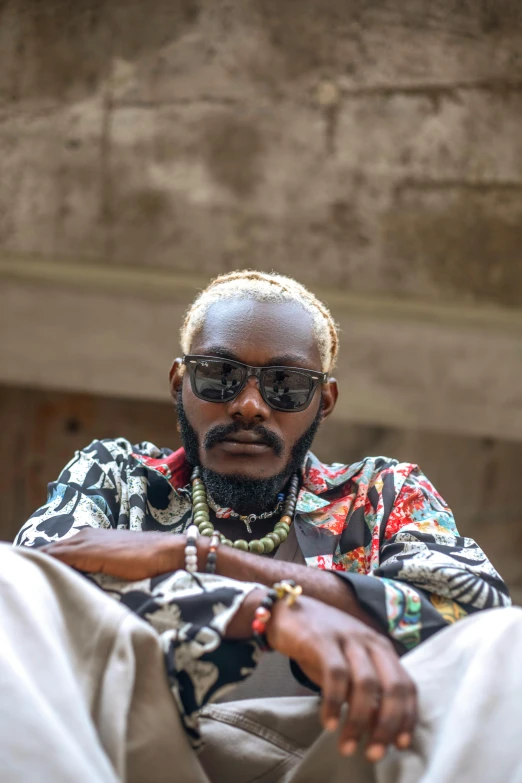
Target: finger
<point>62,545</point>
<point>335,683</point>
<point>363,698</point>
<point>405,735</point>
<point>76,560</point>
<point>395,706</point>
<point>65,548</point>
<point>75,557</point>
<point>57,550</point>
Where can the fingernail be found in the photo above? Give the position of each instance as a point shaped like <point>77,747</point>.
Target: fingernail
<point>403,740</point>
<point>375,752</point>
<point>349,747</point>
<point>331,724</point>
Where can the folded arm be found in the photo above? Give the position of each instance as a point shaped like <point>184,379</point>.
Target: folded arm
<point>416,576</point>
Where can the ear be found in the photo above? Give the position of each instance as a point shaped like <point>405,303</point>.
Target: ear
<point>330,394</point>
<point>175,376</point>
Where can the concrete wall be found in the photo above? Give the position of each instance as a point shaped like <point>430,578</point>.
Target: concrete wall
<point>371,146</point>
<point>373,149</point>
<point>430,368</point>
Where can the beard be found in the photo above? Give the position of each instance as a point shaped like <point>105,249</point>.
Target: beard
<point>244,495</point>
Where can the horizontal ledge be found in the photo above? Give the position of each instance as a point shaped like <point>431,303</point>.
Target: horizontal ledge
<point>412,374</point>
<point>475,186</point>
<point>413,89</point>
<point>182,287</point>
<point>431,89</point>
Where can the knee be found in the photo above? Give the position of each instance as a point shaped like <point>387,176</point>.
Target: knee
<point>19,565</point>
<point>492,623</point>
<point>9,555</point>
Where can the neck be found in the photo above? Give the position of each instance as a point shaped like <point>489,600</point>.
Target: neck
<point>244,496</point>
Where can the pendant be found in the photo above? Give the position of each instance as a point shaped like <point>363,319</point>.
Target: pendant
<point>247,520</point>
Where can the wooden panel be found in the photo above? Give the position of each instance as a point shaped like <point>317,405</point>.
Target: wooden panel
<point>42,430</point>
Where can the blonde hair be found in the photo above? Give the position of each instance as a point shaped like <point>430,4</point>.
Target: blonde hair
<point>264,287</point>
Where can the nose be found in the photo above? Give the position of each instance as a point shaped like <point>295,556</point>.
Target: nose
<point>249,406</point>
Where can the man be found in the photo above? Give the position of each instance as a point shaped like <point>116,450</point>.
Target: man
<point>251,391</point>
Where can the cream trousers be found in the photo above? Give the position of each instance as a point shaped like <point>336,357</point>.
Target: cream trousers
<point>84,699</point>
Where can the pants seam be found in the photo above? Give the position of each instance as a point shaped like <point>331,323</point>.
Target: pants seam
<point>253,727</point>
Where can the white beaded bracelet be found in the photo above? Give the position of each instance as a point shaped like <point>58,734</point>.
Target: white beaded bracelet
<point>191,552</point>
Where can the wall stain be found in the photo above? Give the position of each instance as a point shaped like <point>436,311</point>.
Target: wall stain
<point>66,48</point>
<point>232,149</point>
<point>467,240</point>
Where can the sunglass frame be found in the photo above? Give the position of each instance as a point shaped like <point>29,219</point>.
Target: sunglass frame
<point>191,361</point>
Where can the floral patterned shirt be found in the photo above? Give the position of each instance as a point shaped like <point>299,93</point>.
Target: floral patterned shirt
<point>378,524</point>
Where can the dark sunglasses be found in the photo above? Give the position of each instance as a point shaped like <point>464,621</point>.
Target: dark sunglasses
<point>282,388</point>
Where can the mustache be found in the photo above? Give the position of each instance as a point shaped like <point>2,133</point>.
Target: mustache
<point>221,431</point>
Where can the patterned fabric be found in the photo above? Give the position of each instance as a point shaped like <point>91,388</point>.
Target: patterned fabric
<point>378,524</point>
<point>190,614</point>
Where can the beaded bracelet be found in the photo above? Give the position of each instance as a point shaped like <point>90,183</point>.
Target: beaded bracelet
<point>286,589</point>
<point>191,552</point>
<point>212,552</point>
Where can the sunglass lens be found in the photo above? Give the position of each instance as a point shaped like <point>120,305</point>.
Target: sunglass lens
<point>217,381</point>
<point>286,390</point>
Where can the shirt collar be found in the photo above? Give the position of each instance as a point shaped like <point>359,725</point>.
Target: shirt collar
<point>174,467</point>
<point>319,478</point>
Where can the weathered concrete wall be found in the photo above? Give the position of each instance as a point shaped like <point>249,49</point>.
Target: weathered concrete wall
<point>373,146</point>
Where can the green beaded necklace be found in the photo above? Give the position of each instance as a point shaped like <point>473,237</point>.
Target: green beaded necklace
<point>262,546</point>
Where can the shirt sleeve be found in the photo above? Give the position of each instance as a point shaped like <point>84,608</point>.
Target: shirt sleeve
<point>87,493</point>
<point>426,575</point>
<point>191,613</point>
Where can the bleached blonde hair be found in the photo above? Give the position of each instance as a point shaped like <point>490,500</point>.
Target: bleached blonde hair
<point>264,287</point>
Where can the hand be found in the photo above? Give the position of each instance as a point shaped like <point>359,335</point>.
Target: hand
<point>120,553</point>
<point>351,663</point>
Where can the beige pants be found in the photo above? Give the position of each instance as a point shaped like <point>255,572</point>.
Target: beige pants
<point>84,698</point>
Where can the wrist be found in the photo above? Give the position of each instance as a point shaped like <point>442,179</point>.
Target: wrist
<point>280,621</point>
<point>240,627</point>
<point>178,545</point>
<point>203,547</point>
<point>286,592</point>
<point>276,623</point>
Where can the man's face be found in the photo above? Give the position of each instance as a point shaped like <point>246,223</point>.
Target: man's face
<point>258,334</point>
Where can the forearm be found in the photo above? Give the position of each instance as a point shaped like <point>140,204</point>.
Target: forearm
<point>316,583</point>
<point>131,556</point>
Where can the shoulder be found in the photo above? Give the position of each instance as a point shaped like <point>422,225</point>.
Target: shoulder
<point>110,451</point>
<point>321,477</point>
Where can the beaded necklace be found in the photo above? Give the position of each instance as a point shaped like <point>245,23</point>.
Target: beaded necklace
<point>262,546</point>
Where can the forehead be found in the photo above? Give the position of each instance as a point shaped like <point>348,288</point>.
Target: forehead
<point>259,332</point>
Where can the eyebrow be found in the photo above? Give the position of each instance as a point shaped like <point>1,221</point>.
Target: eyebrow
<point>287,359</point>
